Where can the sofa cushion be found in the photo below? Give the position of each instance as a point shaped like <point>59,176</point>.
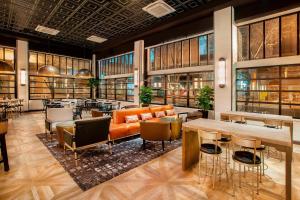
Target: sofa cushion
<point>160,108</point>
<point>133,128</point>
<point>119,115</point>
<point>160,114</point>
<point>170,112</point>
<point>146,116</point>
<point>131,118</point>
<point>118,131</point>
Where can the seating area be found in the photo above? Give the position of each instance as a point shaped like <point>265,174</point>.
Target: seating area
<point>153,99</point>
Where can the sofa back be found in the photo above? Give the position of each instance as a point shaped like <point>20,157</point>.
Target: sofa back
<point>119,115</point>
<point>91,131</point>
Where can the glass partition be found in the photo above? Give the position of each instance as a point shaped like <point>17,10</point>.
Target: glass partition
<point>7,79</point>
<point>274,90</point>
<point>269,38</point>
<point>191,52</point>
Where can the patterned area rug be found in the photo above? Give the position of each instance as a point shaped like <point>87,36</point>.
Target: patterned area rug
<point>97,165</point>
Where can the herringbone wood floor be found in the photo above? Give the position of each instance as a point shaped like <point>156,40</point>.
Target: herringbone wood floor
<point>35,174</point>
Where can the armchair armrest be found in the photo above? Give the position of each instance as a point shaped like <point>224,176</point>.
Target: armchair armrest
<point>69,138</point>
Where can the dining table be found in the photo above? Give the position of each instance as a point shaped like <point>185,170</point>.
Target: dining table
<point>277,138</point>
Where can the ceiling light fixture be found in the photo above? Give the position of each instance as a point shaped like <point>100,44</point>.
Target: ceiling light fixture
<point>97,39</point>
<point>44,29</point>
<point>159,9</point>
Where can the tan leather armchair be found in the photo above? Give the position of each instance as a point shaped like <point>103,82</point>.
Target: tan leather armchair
<point>155,131</point>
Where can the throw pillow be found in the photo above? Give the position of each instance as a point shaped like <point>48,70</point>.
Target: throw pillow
<point>146,116</point>
<point>170,112</point>
<point>160,114</point>
<point>131,119</point>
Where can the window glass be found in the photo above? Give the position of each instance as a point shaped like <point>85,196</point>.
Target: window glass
<point>75,66</point>
<point>81,64</point>
<point>126,69</point>
<point>171,56</point>
<point>177,89</point>
<point>256,40</point>
<point>49,59</point>
<point>1,53</point>
<point>211,49</point>
<point>289,35</point>
<point>157,58</point>
<point>56,61</point>
<point>63,65</point>
<point>186,53</point>
<point>152,64</point>
<point>272,38</point>
<point>194,52</point>
<point>69,66</point>
<point>178,55</point>
<point>243,43</point>
<point>41,60</point>
<point>203,49</point>
<point>157,83</point>
<point>32,63</point>
<point>131,62</point>
<point>164,57</point>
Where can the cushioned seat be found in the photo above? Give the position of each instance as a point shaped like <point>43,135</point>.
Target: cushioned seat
<point>246,157</point>
<point>210,148</point>
<point>133,127</point>
<point>118,131</point>
<point>261,148</point>
<point>225,139</point>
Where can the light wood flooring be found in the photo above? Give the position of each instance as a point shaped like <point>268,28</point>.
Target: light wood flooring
<point>35,174</point>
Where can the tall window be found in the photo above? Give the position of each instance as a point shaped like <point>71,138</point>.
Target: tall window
<point>7,79</point>
<point>63,87</point>
<point>186,53</point>
<point>269,38</point>
<point>179,89</point>
<point>122,64</point>
<point>274,90</point>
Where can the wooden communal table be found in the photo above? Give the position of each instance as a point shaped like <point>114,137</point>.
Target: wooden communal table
<point>285,120</point>
<point>278,138</point>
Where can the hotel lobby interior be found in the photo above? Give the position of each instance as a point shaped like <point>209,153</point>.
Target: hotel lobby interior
<point>150,99</point>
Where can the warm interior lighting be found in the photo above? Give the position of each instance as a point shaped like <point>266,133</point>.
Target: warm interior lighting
<point>48,70</point>
<point>5,67</point>
<point>83,73</point>
<point>46,30</point>
<point>97,39</point>
<point>222,72</point>
<point>23,77</point>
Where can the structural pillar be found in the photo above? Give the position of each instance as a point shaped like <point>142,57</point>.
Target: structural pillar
<point>223,33</point>
<point>22,61</point>
<point>138,68</point>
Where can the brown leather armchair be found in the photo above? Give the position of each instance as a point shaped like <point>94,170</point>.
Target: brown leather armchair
<point>155,131</point>
<point>88,133</point>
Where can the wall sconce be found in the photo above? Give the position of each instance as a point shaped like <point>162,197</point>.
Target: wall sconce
<point>136,77</point>
<point>222,72</point>
<point>23,77</point>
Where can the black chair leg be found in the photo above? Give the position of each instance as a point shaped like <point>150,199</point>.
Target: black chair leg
<point>4,152</point>
<point>163,145</point>
<point>144,144</point>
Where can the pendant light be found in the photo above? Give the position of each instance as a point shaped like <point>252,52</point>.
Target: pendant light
<point>83,73</point>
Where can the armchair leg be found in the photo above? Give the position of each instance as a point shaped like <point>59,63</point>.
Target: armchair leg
<point>144,144</point>
<point>109,146</point>
<point>163,145</point>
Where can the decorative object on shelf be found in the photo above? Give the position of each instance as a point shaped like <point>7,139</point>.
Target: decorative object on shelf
<point>204,100</point>
<point>222,72</point>
<point>93,83</point>
<point>146,95</point>
<point>5,67</point>
<point>48,70</point>
<point>84,73</point>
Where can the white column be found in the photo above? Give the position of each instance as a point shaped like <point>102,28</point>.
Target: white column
<point>22,64</point>
<point>223,29</point>
<point>138,68</point>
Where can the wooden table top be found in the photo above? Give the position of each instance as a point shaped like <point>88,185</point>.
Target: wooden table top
<point>266,135</point>
<point>260,115</point>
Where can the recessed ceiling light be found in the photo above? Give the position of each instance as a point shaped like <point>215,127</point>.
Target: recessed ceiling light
<point>44,29</point>
<point>159,9</point>
<point>97,39</point>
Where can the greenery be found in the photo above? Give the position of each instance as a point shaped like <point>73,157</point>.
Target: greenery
<point>146,95</point>
<point>204,98</point>
<point>93,82</point>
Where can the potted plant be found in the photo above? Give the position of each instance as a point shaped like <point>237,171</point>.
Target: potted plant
<point>93,83</point>
<point>146,96</point>
<point>204,100</point>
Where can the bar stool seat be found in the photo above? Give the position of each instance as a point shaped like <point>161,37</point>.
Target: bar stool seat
<point>210,148</point>
<point>246,157</point>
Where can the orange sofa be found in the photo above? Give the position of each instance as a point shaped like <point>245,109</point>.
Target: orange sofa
<point>120,129</point>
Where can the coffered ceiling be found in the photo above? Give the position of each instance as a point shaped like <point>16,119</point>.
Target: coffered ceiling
<point>78,19</point>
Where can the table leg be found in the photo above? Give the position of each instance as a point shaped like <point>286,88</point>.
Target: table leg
<point>190,149</point>
<point>4,152</point>
<point>288,174</point>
